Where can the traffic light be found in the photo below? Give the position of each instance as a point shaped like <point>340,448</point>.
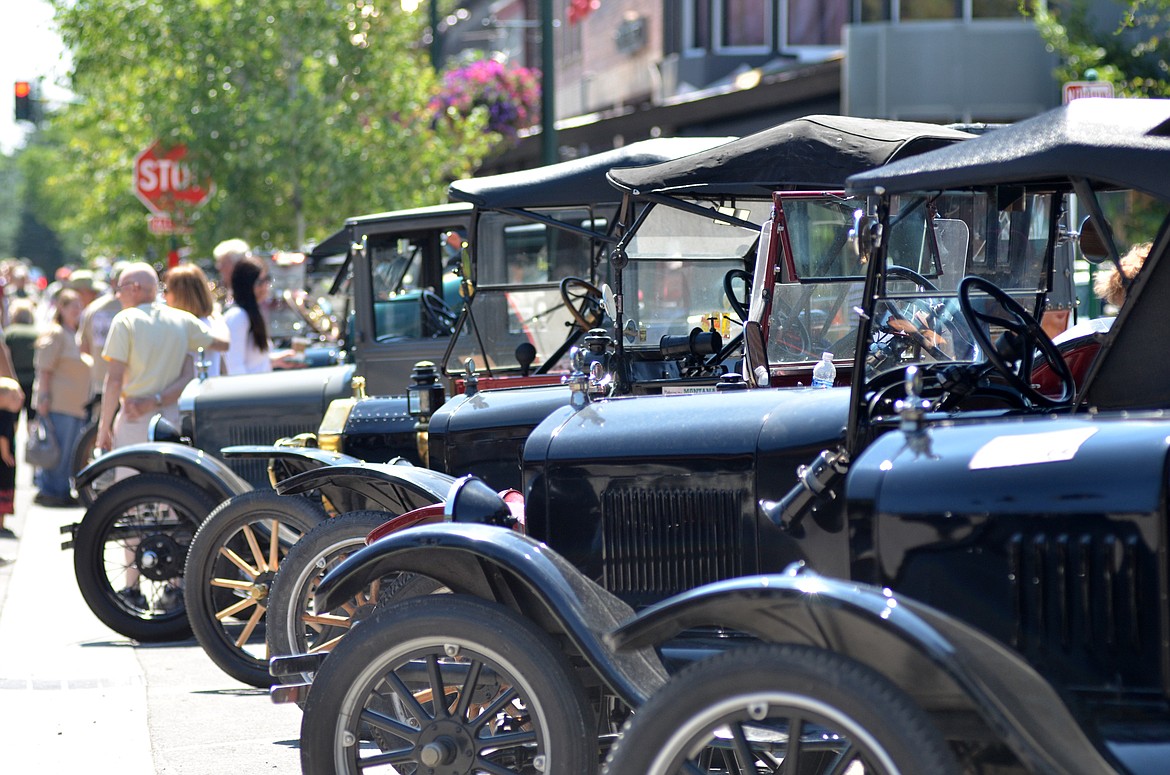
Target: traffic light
<point>24,102</point>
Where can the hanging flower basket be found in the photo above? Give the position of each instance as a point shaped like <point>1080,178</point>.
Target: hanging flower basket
<point>510,95</point>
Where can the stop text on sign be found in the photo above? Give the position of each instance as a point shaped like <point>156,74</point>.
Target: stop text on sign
<point>164,182</point>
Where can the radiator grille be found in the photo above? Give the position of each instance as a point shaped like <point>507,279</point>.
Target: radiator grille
<point>658,543</point>
<point>255,471</point>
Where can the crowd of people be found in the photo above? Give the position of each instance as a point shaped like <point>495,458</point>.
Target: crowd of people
<point>119,349</point>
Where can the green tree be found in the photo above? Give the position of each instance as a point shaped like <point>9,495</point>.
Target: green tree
<point>303,112</point>
<point>11,185</point>
<point>1130,51</point>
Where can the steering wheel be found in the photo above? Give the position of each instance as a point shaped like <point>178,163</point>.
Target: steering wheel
<point>1032,337</point>
<point>739,307</point>
<point>583,300</point>
<point>439,315</point>
<point>906,273</point>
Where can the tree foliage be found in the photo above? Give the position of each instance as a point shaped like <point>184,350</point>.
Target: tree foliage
<point>1130,51</point>
<point>303,112</point>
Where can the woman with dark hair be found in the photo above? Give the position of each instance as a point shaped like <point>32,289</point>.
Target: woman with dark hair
<point>250,350</point>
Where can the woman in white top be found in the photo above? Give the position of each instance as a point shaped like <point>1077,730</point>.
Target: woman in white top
<point>250,351</point>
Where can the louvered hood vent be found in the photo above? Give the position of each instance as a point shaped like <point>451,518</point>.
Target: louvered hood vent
<point>660,542</point>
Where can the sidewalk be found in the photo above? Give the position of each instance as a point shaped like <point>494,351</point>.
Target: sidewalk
<point>63,688</point>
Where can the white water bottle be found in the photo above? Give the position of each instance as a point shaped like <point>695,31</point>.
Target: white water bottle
<point>824,373</point>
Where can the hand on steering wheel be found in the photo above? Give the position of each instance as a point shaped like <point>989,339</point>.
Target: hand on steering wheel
<point>913,329</point>
<point>583,300</point>
<point>1031,335</point>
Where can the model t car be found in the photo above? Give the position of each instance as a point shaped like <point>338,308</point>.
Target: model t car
<point>971,574</point>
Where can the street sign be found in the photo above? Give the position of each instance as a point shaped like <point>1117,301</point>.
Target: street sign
<point>162,180</point>
<point>163,224</point>
<point>1075,90</point>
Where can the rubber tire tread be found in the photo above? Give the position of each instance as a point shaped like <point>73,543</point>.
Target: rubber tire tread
<point>222,525</point>
<point>89,550</point>
<point>903,729</point>
<point>530,651</point>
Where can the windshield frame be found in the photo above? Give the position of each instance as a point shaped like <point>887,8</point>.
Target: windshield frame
<point>999,201</point>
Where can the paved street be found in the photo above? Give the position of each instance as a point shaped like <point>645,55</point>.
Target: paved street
<point>77,697</point>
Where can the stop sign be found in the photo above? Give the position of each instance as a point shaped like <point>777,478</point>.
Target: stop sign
<point>162,181</point>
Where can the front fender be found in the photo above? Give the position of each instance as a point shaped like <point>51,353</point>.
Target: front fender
<point>314,457</point>
<point>393,487</point>
<point>163,457</point>
<point>936,659</point>
<point>510,568</point>
<point>287,462</point>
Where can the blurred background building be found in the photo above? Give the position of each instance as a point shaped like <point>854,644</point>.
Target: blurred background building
<point>626,70</point>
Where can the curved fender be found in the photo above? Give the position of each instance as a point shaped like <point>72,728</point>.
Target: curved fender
<point>922,650</point>
<point>313,455</point>
<point>392,487</point>
<point>496,563</point>
<point>165,457</point>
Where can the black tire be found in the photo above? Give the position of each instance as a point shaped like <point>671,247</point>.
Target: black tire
<point>84,453</point>
<point>141,525</point>
<point>373,695</point>
<point>233,559</point>
<point>294,626</point>
<point>83,449</point>
<point>753,696</point>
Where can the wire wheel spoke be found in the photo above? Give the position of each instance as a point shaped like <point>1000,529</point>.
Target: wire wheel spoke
<point>237,584</point>
<point>438,688</point>
<point>250,627</point>
<point>235,559</point>
<point>254,545</point>
<point>389,724</point>
<point>497,705</point>
<point>320,621</point>
<point>235,608</point>
<point>407,697</point>
<point>792,753</point>
<point>274,552</point>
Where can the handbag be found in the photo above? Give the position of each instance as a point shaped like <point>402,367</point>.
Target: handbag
<point>42,449</point>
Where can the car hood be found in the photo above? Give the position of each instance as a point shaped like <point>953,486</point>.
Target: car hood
<point>694,425</point>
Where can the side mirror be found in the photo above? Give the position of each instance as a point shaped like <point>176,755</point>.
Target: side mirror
<point>863,237</point>
<point>608,302</point>
<point>1092,242</point>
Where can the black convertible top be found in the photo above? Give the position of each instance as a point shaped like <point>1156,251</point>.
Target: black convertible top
<point>1119,143</point>
<point>339,241</point>
<point>580,181</point>
<point>810,152</point>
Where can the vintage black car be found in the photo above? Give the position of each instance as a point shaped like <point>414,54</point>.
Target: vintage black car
<point>983,544</point>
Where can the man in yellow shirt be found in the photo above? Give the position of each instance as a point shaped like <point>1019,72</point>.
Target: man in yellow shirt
<point>145,352</point>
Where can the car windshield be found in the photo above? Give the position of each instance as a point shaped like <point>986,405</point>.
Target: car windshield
<point>674,281</point>
<point>519,268</point>
<point>814,311</point>
<point>936,241</point>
